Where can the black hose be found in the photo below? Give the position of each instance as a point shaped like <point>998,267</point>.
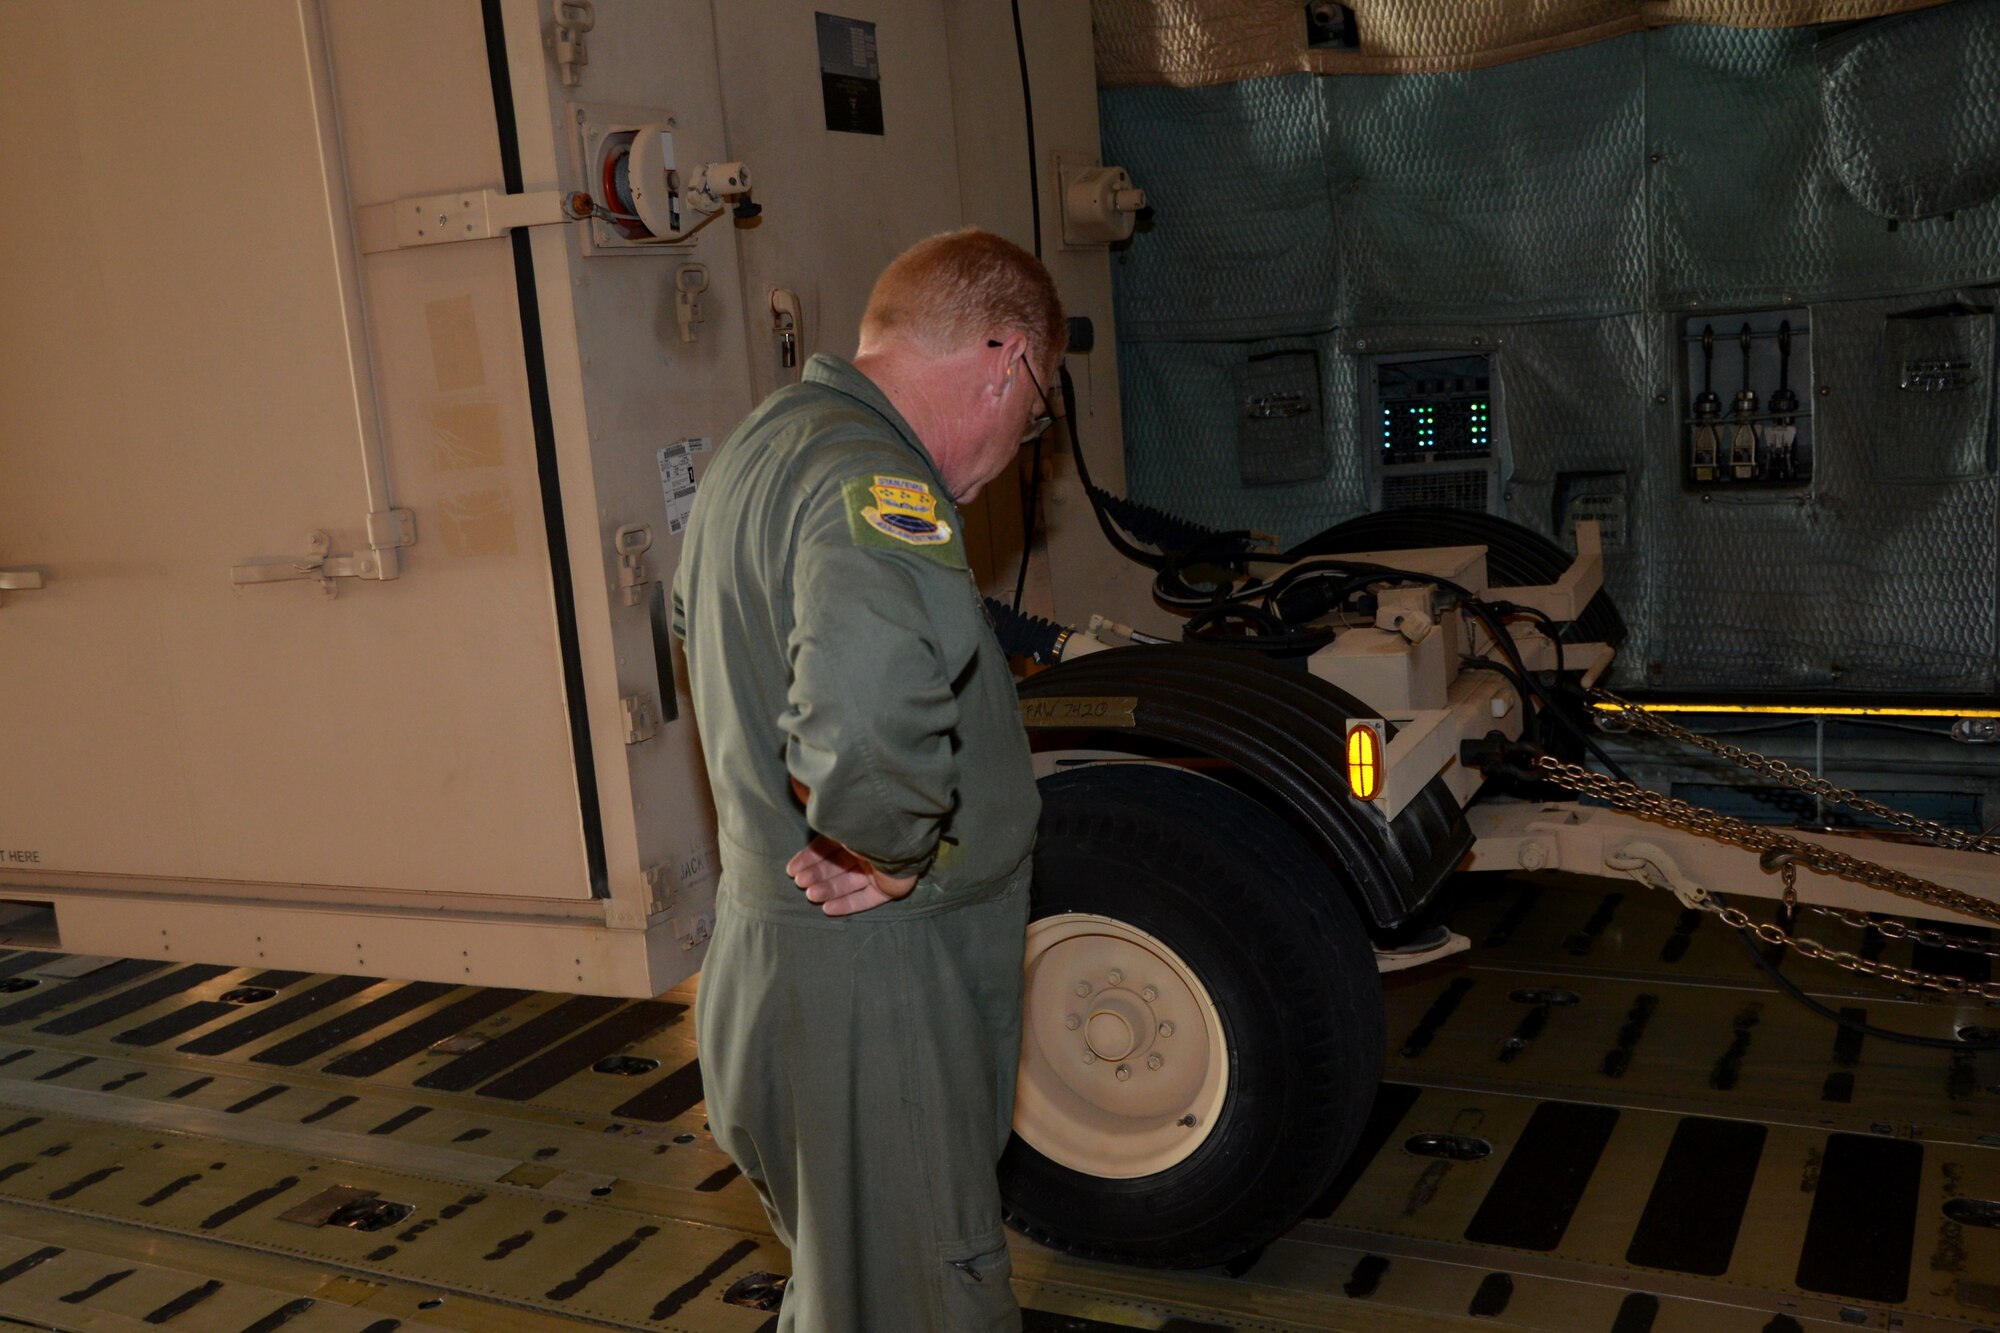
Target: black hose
<point>1029,514</point>
<point>1035,215</point>
<point>1791,988</point>
<point>1514,554</point>
<point>1023,635</point>
<point>1103,505</point>
<point>1028,116</point>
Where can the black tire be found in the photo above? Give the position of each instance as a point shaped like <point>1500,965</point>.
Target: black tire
<point>1515,555</point>
<point>1274,938</point>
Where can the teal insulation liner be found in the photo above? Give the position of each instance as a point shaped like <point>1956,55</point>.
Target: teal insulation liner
<point>1746,205</point>
<point>1251,248</point>
<point>1566,217</point>
<point>1513,192</point>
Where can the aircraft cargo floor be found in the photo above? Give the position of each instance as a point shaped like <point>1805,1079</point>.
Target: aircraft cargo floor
<point>1602,1118</point>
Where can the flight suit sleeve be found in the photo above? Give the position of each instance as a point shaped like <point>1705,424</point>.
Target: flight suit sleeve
<point>870,711</point>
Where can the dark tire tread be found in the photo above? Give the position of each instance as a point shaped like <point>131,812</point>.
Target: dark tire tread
<point>1285,909</point>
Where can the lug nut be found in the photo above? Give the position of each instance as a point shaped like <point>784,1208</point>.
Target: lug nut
<point>1166,1029</point>
<point>1155,1060</point>
<point>1124,1072</point>
<point>1090,1057</point>
<point>1072,1022</point>
<point>1083,988</point>
<point>1149,994</point>
<point>1115,977</point>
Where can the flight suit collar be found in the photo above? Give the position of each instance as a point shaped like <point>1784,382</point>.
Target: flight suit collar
<point>839,374</point>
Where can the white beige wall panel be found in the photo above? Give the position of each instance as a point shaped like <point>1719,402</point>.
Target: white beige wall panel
<point>838,206</point>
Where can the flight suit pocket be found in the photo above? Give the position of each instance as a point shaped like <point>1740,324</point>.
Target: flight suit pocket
<point>975,1292</point>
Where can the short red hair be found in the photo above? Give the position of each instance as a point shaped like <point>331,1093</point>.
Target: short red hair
<point>948,290</point>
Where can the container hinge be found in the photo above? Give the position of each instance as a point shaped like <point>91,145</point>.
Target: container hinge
<point>642,722</point>
<point>661,890</point>
<point>463,215</point>
<point>388,531</point>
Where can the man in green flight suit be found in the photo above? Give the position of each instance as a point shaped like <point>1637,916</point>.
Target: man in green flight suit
<point>860,1006</point>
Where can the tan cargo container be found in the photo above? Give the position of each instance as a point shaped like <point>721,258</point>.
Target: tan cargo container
<point>326,636</point>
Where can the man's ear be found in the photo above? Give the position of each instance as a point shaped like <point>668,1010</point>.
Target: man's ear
<point>1004,352</point>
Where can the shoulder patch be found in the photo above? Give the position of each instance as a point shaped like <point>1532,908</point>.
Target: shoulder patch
<point>901,513</point>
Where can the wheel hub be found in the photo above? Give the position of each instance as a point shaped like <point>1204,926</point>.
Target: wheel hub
<point>1123,1063</point>
<point>1121,1025</point>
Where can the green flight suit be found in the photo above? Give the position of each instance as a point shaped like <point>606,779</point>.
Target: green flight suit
<point>859,1069</point>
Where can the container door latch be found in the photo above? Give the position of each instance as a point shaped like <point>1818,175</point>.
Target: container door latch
<point>387,532</point>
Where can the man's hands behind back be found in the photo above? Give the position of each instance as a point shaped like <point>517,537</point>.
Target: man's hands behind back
<point>841,882</point>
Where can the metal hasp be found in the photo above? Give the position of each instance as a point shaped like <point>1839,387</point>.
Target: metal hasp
<point>690,281</point>
<point>787,325</point>
<point>573,18</point>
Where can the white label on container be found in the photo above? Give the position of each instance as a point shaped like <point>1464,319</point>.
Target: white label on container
<point>677,482</point>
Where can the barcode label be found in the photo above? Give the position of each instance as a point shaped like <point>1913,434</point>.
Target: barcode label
<point>677,481</point>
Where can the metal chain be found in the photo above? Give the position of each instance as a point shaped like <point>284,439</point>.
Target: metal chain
<point>1892,928</point>
<point>1783,852</point>
<point>1793,776</point>
<point>1905,976</point>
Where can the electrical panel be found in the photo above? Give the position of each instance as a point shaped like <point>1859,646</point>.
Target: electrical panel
<point>1746,403</point>
<point>1431,426</point>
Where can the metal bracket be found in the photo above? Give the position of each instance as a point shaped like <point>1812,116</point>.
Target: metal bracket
<point>1566,598</point>
<point>574,18</point>
<point>464,215</point>
<point>1651,866</point>
<point>387,531</point>
<point>641,722</point>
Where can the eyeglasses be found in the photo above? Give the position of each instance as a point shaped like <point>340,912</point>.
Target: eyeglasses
<point>1039,424</point>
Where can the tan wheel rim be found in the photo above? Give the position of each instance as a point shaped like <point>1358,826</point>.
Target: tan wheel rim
<point>1123,1064</point>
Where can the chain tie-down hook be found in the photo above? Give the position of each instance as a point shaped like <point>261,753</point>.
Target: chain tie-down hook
<point>1781,852</point>
<point>1784,861</point>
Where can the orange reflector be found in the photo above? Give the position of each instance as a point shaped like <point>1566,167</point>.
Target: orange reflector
<point>1364,760</point>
